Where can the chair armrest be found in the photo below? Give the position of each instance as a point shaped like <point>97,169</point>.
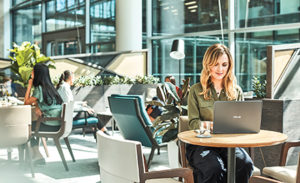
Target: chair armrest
<point>185,173</point>
<point>284,151</point>
<point>261,179</point>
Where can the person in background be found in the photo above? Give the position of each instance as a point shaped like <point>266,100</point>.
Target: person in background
<point>9,87</point>
<point>47,102</point>
<point>63,88</point>
<point>172,80</point>
<point>217,83</point>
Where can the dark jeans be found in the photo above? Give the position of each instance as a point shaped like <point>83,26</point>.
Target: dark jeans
<point>210,164</point>
<point>43,128</point>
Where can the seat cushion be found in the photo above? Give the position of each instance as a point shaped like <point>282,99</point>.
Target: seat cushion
<point>282,173</point>
<point>256,171</point>
<point>90,120</point>
<point>166,180</point>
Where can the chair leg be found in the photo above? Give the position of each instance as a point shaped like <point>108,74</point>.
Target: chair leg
<point>56,141</point>
<point>21,153</point>
<point>45,146</point>
<point>95,131</point>
<point>158,150</point>
<point>151,155</point>
<point>83,131</point>
<point>69,148</point>
<point>9,150</point>
<point>28,155</point>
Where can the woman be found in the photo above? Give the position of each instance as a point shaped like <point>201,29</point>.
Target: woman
<point>217,82</point>
<point>47,102</point>
<point>63,88</point>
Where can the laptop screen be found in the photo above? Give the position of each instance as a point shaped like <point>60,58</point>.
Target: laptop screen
<point>237,116</point>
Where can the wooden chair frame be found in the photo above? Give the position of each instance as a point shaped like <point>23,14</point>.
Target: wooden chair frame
<point>283,156</point>
<point>55,135</point>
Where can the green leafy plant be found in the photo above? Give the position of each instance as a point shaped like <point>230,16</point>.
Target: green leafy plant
<point>110,80</point>
<point>259,87</point>
<point>166,125</point>
<point>24,59</point>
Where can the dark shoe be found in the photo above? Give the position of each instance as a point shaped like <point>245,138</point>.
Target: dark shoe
<point>106,132</point>
<point>39,161</point>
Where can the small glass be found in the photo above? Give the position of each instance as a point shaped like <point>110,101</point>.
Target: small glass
<point>204,129</point>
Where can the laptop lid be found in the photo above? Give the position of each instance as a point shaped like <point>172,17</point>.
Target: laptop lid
<point>237,116</point>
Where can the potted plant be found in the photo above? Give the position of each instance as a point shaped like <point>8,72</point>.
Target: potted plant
<point>24,58</point>
<point>166,125</point>
<point>96,89</point>
<point>259,87</point>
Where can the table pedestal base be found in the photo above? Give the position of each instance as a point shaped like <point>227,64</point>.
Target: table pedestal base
<point>231,161</point>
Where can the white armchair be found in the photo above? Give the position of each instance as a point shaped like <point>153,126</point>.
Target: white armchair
<point>14,129</point>
<point>122,161</point>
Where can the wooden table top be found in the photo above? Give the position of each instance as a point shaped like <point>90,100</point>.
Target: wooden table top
<point>263,138</point>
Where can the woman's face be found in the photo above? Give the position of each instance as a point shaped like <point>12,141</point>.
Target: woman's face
<point>71,79</point>
<point>218,71</point>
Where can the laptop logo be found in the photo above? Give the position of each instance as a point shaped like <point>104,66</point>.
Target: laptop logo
<point>237,117</point>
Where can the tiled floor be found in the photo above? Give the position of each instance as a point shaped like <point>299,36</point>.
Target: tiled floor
<point>85,169</point>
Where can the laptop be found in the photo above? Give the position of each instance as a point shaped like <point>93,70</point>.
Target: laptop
<point>237,117</point>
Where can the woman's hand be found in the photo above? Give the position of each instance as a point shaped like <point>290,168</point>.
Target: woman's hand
<point>38,111</point>
<point>90,111</point>
<point>30,81</point>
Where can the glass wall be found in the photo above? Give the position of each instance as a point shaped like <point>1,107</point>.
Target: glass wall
<point>62,14</point>
<point>197,22</point>
<point>266,12</point>
<point>171,18</point>
<point>177,16</point>
<point>103,29</point>
<point>27,25</point>
<point>163,65</point>
<point>251,53</point>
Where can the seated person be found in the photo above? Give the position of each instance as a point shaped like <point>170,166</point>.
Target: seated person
<point>217,83</point>
<point>172,80</point>
<point>9,87</point>
<point>153,110</point>
<point>63,88</point>
<point>47,102</point>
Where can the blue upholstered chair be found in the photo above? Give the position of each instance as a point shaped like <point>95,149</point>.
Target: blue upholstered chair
<point>86,122</point>
<point>133,121</point>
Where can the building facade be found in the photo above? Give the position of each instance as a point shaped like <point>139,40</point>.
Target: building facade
<point>64,27</point>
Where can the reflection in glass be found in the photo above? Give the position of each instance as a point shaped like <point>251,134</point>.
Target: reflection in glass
<point>177,16</point>
<point>102,26</point>
<point>266,12</point>
<point>251,53</point>
<point>27,25</point>
<point>191,66</point>
<point>63,14</point>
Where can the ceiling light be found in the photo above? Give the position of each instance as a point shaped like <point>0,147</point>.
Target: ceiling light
<point>191,2</point>
<point>193,7</point>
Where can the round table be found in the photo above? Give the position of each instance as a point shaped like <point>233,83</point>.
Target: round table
<point>231,141</point>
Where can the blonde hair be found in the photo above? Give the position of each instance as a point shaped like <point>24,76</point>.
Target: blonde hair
<point>209,60</point>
